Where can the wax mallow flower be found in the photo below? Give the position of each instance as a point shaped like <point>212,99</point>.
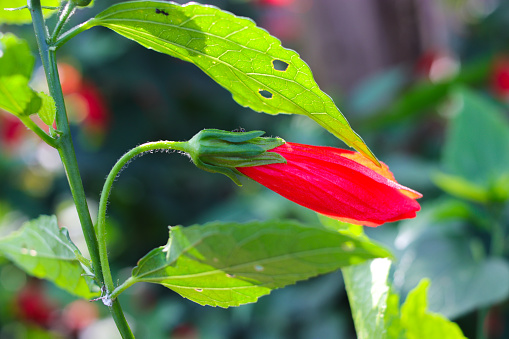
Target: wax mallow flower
<point>338,183</point>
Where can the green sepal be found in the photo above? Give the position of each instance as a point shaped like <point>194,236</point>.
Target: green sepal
<point>222,152</point>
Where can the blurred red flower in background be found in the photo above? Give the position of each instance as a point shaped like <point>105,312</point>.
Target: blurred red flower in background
<point>338,183</point>
<point>11,130</point>
<point>34,306</point>
<point>274,2</point>
<point>500,77</point>
<point>85,103</point>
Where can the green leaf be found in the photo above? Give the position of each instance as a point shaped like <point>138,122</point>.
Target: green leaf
<point>392,317</point>
<point>419,323</point>
<point>48,110</point>
<point>232,264</point>
<point>243,58</point>
<point>461,188</point>
<point>22,16</point>
<point>15,56</point>
<point>16,66</point>
<point>446,256</point>
<point>477,144</point>
<point>17,97</point>
<point>367,289</point>
<point>45,251</point>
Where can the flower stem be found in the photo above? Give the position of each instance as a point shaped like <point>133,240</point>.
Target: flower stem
<point>101,218</point>
<point>67,155</point>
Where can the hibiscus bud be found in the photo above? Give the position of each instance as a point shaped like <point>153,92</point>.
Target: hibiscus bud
<point>338,183</point>
<point>220,151</point>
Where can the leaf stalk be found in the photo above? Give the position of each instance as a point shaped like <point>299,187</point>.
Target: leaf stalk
<point>37,130</point>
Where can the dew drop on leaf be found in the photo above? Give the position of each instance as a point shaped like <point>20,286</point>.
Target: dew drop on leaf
<point>259,268</point>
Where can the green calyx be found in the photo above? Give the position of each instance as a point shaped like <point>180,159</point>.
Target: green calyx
<point>220,151</point>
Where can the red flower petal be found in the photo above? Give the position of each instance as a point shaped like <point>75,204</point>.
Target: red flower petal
<point>338,183</point>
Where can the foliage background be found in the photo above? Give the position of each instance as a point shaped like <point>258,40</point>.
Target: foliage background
<point>393,69</point>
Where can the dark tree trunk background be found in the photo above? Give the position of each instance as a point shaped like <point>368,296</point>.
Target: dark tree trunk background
<point>347,40</point>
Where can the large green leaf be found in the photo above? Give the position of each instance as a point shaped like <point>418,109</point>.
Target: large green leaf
<point>22,16</point>
<point>443,253</point>
<point>45,251</point>
<point>240,56</point>
<point>16,66</point>
<point>477,145</point>
<point>367,289</point>
<point>232,264</point>
<point>17,97</point>
<point>15,56</point>
<point>419,323</point>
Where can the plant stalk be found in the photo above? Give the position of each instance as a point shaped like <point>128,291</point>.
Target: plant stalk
<point>64,142</point>
<point>66,150</point>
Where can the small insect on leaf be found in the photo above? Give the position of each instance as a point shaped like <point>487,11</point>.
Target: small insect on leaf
<point>160,11</point>
<point>238,130</point>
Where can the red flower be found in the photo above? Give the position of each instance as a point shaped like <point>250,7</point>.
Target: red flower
<point>500,77</point>
<point>338,183</point>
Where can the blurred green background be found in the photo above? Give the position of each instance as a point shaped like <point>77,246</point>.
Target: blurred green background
<point>425,83</point>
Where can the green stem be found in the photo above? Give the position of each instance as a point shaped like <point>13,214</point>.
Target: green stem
<point>121,288</point>
<point>66,13</point>
<point>73,32</point>
<point>37,130</point>
<point>497,249</point>
<point>497,230</point>
<point>101,217</point>
<point>497,239</point>
<point>64,143</point>
<point>481,315</point>
<point>68,156</point>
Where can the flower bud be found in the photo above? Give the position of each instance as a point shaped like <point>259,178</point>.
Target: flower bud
<point>220,151</point>
<point>81,3</point>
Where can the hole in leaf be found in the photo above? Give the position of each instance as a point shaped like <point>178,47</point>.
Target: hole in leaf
<point>280,65</point>
<point>265,94</point>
